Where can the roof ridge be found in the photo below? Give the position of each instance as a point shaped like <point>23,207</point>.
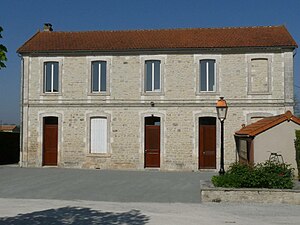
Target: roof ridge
<point>288,114</point>
<point>159,39</point>
<point>268,123</point>
<point>170,29</point>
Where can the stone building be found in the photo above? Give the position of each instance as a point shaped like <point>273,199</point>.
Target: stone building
<point>146,98</point>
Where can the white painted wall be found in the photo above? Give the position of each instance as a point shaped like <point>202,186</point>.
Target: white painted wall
<point>278,139</point>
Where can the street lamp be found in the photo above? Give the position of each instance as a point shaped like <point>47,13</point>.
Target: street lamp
<point>222,112</point>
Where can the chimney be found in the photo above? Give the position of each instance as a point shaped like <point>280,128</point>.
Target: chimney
<point>48,27</point>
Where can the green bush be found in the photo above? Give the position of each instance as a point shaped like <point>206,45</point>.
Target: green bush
<point>264,175</point>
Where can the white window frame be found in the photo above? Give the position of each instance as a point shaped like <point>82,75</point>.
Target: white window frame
<point>52,77</point>
<point>217,68</point>
<point>42,81</point>
<point>207,75</point>
<point>143,59</point>
<point>153,76</point>
<point>89,88</point>
<point>99,76</point>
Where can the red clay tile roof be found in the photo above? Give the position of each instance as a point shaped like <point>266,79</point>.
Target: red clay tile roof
<point>234,37</point>
<point>7,127</point>
<point>267,123</point>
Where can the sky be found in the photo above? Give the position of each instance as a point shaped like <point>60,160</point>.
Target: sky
<point>22,19</point>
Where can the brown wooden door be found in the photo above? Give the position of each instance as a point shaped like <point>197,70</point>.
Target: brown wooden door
<point>50,144</point>
<point>152,146</point>
<point>207,146</point>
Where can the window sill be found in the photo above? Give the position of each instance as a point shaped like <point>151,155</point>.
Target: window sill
<point>99,155</point>
<point>211,93</point>
<point>153,93</point>
<point>99,94</point>
<point>51,94</point>
<point>259,93</point>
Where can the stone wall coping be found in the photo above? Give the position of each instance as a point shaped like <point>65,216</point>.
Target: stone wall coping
<point>207,186</point>
<point>209,193</point>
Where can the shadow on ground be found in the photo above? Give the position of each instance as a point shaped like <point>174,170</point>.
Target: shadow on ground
<point>76,215</point>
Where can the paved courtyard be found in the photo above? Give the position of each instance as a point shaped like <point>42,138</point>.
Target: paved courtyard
<point>101,185</point>
<point>33,196</point>
<point>62,212</point>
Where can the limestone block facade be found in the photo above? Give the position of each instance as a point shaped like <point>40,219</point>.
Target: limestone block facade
<point>256,82</point>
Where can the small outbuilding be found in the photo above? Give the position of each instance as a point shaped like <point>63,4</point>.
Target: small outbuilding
<point>9,128</point>
<point>276,134</point>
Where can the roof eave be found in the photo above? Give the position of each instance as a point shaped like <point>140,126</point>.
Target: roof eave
<point>243,135</point>
<point>36,52</point>
<point>271,125</point>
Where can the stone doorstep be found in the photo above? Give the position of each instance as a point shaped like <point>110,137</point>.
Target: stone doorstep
<point>209,193</point>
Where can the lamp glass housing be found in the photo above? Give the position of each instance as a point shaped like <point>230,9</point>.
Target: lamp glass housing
<point>222,113</point>
<point>221,109</point>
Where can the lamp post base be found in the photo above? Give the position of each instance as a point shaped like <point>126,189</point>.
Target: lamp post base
<point>221,171</point>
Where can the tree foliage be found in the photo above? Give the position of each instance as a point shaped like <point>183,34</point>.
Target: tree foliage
<point>297,147</point>
<point>297,103</point>
<point>3,51</point>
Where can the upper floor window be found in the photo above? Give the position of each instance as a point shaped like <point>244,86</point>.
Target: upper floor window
<point>259,76</point>
<point>98,76</point>
<point>152,75</point>
<point>207,75</point>
<point>51,77</point>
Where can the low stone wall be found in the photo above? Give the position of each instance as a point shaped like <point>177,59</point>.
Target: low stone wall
<point>213,194</point>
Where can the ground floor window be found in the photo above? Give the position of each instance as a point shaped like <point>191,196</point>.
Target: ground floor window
<point>98,135</point>
<point>244,147</point>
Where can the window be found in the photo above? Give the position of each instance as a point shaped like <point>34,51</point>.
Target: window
<point>152,75</point>
<point>98,76</point>
<point>259,76</point>
<point>254,119</point>
<point>98,135</point>
<point>244,149</point>
<point>51,77</point>
<point>207,75</point>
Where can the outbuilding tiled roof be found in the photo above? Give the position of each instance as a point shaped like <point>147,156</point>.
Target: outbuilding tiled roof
<point>267,123</point>
<point>7,127</point>
<point>194,38</point>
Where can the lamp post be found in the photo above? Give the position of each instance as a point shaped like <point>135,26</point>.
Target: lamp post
<point>222,112</point>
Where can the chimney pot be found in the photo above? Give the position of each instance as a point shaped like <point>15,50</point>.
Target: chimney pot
<point>48,27</point>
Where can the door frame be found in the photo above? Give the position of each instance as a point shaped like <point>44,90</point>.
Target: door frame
<point>40,154</point>
<point>142,138</point>
<point>197,117</point>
